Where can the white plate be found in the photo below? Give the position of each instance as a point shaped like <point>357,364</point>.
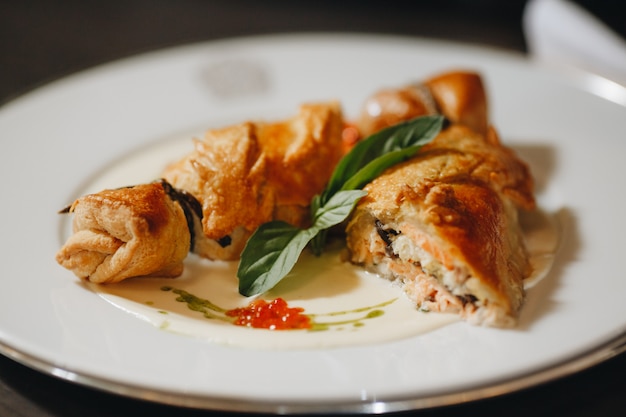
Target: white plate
<point>59,139</point>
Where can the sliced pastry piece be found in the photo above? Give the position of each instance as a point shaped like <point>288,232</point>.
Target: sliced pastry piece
<point>255,172</point>
<point>444,226</point>
<point>127,232</point>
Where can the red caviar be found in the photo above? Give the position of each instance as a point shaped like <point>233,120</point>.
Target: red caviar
<point>273,315</point>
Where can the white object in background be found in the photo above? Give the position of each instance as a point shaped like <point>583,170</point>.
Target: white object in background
<point>563,33</point>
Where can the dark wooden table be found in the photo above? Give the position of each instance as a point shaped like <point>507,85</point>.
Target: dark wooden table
<point>41,41</point>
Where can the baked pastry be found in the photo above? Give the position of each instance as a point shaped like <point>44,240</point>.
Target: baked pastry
<point>126,232</point>
<point>444,226</point>
<point>210,201</point>
<point>458,95</point>
<point>255,172</point>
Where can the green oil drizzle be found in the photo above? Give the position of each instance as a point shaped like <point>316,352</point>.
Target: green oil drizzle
<point>201,305</point>
<point>214,312</point>
<point>372,312</point>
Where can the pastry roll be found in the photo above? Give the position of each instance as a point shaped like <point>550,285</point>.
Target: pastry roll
<point>458,95</point>
<point>444,226</point>
<point>255,172</point>
<point>209,202</point>
<point>127,232</point>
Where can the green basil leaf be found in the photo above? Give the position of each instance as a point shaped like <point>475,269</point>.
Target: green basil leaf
<point>377,166</point>
<point>337,209</point>
<point>275,247</point>
<point>269,255</point>
<point>418,131</point>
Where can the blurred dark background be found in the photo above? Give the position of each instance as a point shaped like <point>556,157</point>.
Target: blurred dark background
<point>41,41</point>
<point>44,40</point>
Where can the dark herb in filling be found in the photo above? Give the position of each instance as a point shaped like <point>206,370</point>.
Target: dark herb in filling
<point>190,205</point>
<point>224,241</point>
<point>385,235</point>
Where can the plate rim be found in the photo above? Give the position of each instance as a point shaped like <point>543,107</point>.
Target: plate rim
<point>569,366</point>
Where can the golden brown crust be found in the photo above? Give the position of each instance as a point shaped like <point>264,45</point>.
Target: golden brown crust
<point>390,106</point>
<point>458,153</point>
<point>458,95</point>
<point>302,152</point>
<point>465,152</point>
<point>456,201</point>
<point>226,172</point>
<point>461,97</point>
<point>249,174</point>
<point>127,232</point>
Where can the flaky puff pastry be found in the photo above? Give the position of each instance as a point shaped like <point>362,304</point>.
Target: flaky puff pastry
<point>255,172</point>
<point>126,232</point>
<point>444,225</point>
<point>209,202</point>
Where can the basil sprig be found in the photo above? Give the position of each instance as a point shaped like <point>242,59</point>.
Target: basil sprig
<point>274,248</point>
